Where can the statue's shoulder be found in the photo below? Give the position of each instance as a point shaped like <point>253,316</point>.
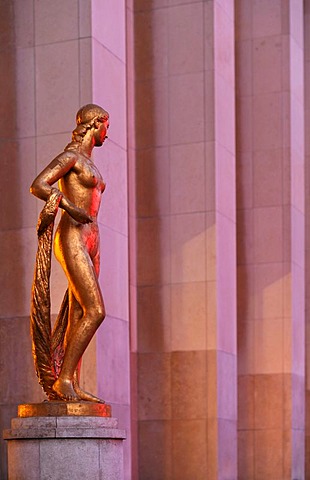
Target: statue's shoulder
<point>66,157</point>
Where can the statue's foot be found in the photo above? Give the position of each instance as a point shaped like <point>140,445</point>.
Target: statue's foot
<point>65,391</point>
<point>86,396</point>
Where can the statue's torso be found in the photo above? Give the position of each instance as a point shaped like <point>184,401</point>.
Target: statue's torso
<point>83,185</point>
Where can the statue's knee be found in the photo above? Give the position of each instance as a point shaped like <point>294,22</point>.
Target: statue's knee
<point>97,315</point>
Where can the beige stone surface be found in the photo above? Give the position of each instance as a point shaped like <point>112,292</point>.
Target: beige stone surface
<point>52,91</point>
<point>154,306</point>
<point>51,21</point>
<point>185,45</point>
<point>245,462</point>
<point>152,112</point>
<point>269,453</point>
<point>188,86</point>
<point>246,389</point>
<point>188,317</point>
<point>187,246</point>
<point>84,14</point>
<point>151,41</point>
<point>268,246</point>
<point>189,385</point>
<point>157,433</point>
<point>189,435</point>
<point>151,167</point>
<point>154,391</point>
<point>153,234</point>
<point>187,184</point>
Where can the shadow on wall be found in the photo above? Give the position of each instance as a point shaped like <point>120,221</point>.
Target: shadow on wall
<point>150,223</point>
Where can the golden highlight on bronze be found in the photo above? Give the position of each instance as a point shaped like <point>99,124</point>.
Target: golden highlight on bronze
<point>58,352</point>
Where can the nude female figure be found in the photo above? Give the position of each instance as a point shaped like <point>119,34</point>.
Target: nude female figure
<point>76,241</point>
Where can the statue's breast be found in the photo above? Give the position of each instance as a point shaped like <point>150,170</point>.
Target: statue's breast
<point>88,175</point>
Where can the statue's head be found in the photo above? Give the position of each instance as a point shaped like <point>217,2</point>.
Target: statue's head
<point>90,113</point>
<point>93,119</point>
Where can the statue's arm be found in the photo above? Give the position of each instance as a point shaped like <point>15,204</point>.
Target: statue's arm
<point>42,185</point>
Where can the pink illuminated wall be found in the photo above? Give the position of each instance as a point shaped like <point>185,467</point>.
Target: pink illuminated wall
<point>204,354</point>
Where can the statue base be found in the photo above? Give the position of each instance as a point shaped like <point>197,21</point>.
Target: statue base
<point>60,409</point>
<point>81,443</point>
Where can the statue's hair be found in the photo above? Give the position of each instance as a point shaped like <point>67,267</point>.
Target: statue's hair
<point>87,118</point>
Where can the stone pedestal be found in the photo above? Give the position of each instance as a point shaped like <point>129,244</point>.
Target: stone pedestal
<point>65,447</point>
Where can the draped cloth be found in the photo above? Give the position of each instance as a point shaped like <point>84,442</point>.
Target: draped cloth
<point>47,345</point>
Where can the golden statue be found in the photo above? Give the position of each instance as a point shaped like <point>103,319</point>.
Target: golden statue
<point>58,353</point>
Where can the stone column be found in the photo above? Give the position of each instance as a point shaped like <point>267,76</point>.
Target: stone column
<point>271,226</point>
<point>182,238</point>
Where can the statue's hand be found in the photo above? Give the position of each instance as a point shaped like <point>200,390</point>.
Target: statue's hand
<point>75,212</point>
<point>79,215</point>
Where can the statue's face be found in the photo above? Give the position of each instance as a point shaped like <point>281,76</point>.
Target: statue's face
<point>101,133</point>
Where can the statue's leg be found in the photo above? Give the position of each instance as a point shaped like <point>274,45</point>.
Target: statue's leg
<point>84,286</point>
<point>77,313</point>
<point>74,316</point>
